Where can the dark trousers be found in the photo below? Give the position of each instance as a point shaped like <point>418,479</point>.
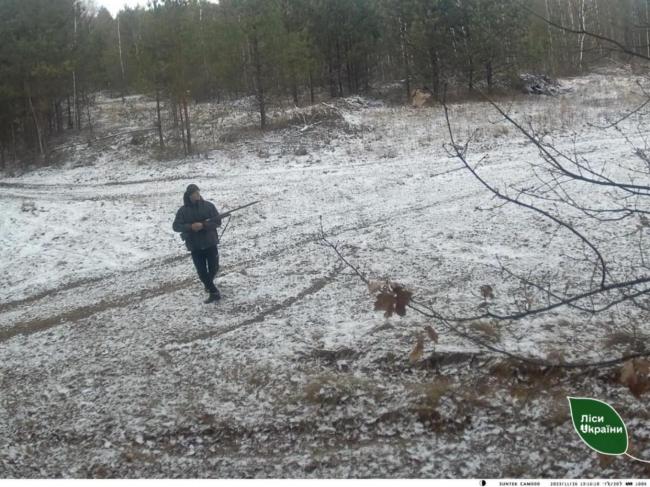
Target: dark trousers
<point>206,262</point>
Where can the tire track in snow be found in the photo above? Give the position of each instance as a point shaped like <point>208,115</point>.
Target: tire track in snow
<point>264,173</point>
<point>48,293</point>
<point>77,314</point>
<point>315,286</point>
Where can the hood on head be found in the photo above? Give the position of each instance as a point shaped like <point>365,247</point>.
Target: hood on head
<point>186,196</point>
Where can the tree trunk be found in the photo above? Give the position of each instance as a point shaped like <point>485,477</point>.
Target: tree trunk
<point>245,63</point>
<point>74,76</point>
<point>181,128</point>
<point>75,100</point>
<point>174,108</point>
<point>488,74</point>
<point>550,36</point>
<point>259,81</point>
<point>59,116</point>
<point>87,103</point>
<point>349,75</point>
<point>349,69</point>
<point>435,72</point>
<point>470,59</point>
<point>294,89</point>
<point>582,36</point>
<point>119,46</point>
<point>356,69</point>
<point>50,121</point>
<point>187,126</point>
<point>13,143</point>
<point>70,122</point>
<point>311,87</point>
<point>647,28</point>
<point>338,69</point>
<point>367,79</point>
<point>159,122</point>
<point>206,69</point>
<point>571,48</point>
<point>599,26</point>
<point>37,126</point>
<point>405,57</point>
<point>564,49</point>
<point>332,78</point>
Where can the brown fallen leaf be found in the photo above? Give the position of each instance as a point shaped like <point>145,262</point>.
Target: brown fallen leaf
<point>402,298</point>
<point>634,375</point>
<point>385,302</point>
<point>487,292</point>
<point>628,374</point>
<point>555,356</point>
<point>605,460</point>
<point>417,351</point>
<point>642,366</point>
<point>433,336</point>
<point>644,221</point>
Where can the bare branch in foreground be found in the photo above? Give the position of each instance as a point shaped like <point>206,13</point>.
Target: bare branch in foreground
<point>425,310</point>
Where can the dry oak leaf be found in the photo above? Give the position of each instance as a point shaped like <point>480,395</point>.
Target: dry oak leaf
<point>385,302</point>
<point>393,300</point>
<point>402,298</point>
<point>628,374</point>
<point>634,375</point>
<point>433,336</point>
<point>487,292</point>
<point>644,221</point>
<point>417,351</point>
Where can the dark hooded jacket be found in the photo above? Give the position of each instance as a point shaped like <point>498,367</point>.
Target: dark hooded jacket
<point>201,211</point>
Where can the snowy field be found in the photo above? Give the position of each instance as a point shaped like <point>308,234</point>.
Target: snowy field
<point>112,366</point>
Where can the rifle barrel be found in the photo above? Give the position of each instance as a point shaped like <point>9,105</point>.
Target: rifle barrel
<point>228,213</point>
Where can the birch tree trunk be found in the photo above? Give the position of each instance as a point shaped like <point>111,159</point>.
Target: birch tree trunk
<point>582,36</point>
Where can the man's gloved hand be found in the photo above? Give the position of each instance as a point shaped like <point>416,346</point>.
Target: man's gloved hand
<point>197,226</point>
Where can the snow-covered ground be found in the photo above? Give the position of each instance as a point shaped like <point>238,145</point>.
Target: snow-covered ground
<point>112,366</point>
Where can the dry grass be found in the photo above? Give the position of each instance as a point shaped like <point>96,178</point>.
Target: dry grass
<point>489,331</point>
<point>428,394</point>
<point>333,389</point>
<point>628,339</point>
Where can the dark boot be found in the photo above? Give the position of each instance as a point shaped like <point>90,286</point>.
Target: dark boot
<point>213,297</point>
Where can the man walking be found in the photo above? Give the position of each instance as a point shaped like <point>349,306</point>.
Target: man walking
<point>197,221</point>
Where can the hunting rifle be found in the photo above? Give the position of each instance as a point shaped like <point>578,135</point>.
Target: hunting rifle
<point>228,213</point>
<point>224,215</point>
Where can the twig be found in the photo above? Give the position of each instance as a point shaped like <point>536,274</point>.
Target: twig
<point>496,192</point>
<point>427,311</point>
<point>225,228</point>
